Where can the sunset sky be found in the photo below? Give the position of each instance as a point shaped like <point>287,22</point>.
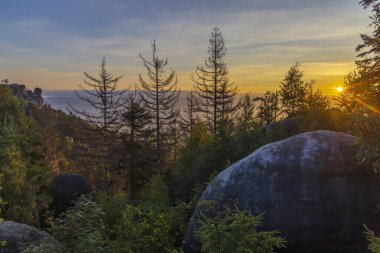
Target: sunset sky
<point>49,43</point>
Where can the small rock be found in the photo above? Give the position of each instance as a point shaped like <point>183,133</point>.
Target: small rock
<point>66,188</point>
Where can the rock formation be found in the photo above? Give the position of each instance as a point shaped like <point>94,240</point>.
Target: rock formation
<point>20,91</point>
<point>16,236</point>
<point>309,186</point>
<point>66,188</point>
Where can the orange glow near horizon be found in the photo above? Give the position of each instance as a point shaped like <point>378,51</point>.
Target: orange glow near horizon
<point>249,78</point>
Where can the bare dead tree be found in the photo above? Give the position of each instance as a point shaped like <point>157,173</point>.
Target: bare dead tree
<point>211,82</point>
<point>160,94</point>
<point>102,95</point>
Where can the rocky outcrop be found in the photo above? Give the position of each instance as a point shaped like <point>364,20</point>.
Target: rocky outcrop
<point>20,91</point>
<point>309,186</point>
<point>65,189</point>
<point>15,237</point>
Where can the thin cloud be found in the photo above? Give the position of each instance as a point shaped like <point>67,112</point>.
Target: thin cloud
<point>263,37</point>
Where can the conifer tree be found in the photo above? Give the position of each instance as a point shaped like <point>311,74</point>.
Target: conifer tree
<point>365,85</point>
<point>293,90</point>
<point>246,112</point>
<point>174,136</point>
<point>215,91</point>
<point>268,108</point>
<point>235,230</point>
<point>363,93</point>
<point>136,123</point>
<point>104,99</point>
<point>247,125</point>
<point>160,95</point>
<point>189,119</point>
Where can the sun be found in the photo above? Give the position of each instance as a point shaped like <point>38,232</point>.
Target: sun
<point>339,89</point>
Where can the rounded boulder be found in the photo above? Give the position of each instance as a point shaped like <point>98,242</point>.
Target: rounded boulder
<point>15,237</point>
<point>66,188</point>
<point>309,187</point>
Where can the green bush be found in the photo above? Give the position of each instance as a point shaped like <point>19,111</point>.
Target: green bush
<point>81,228</point>
<point>373,241</point>
<point>116,225</point>
<point>235,230</point>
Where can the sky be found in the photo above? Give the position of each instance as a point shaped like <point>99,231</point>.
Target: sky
<point>50,43</point>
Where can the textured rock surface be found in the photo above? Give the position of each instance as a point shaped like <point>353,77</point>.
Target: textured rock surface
<point>20,91</point>
<point>65,189</point>
<point>18,236</point>
<point>309,187</point>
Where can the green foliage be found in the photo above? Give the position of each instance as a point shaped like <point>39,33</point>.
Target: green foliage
<point>246,113</point>
<point>175,251</point>
<point>152,225</point>
<point>65,141</point>
<point>361,96</point>
<point>223,144</point>
<point>156,192</point>
<point>148,228</point>
<point>360,102</point>
<point>2,202</point>
<point>81,228</point>
<point>195,161</point>
<point>11,118</point>
<point>374,242</point>
<point>314,100</point>
<point>203,155</point>
<point>116,225</point>
<point>369,143</point>
<point>235,230</point>
<point>293,90</point>
<point>316,113</point>
<point>156,199</point>
<point>136,139</point>
<point>45,245</point>
<point>113,207</point>
<point>22,162</point>
<point>268,108</point>
<point>143,230</point>
<point>246,128</point>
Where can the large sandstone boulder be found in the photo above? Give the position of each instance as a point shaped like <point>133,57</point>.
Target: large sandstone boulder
<point>66,188</point>
<point>19,236</point>
<point>309,187</point>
